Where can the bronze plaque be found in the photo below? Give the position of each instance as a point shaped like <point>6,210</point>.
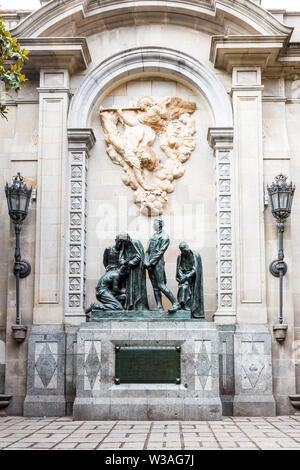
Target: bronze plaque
<point>147,364</point>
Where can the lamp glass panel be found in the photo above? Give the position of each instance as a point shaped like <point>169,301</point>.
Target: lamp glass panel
<point>275,201</point>
<point>284,200</point>
<point>290,201</point>
<point>15,202</point>
<point>23,202</point>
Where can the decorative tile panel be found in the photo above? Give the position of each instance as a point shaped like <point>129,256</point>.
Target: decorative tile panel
<point>203,365</point>
<point>45,375</point>
<point>92,365</point>
<point>254,365</point>
<point>225,251</point>
<point>226,300</point>
<point>80,142</point>
<point>225,269</point>
<point>224,218</point>
<point>76,234</point>
<point>225,234</point>
<point>226,283</point>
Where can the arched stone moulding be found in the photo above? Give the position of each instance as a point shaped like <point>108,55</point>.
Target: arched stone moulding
<point>82,17</point>
<point>150,60</point>
<point>156,61</point>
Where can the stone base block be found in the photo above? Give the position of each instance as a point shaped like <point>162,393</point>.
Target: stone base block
<point>143,409</point>
<point>102,394</point>
<point>16,406</point>
<point>142,315</point>
<point>46,372</point>
<point>255,405</point>
<point>253,371</point>
<point>40,406</point>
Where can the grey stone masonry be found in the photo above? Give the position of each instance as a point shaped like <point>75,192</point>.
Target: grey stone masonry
<point>46,372</point>
<point>195,398</point>
<point>253,371</point>
<point>226,366</point>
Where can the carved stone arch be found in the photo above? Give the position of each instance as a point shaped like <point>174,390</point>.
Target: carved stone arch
<point>153,60</point>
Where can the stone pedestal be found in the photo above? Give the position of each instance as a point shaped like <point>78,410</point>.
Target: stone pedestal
<point>253,372</point>
<point>46,372</point>
<point>197,395</point>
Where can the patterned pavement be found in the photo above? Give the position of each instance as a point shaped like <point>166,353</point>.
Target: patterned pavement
<point>281,433</point>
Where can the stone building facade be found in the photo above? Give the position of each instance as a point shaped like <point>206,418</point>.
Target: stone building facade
<point>240,64</point>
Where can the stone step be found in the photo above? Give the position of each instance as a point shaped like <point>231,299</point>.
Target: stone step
<point>4,400</point>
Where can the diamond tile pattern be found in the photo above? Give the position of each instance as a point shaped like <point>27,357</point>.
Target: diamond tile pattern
<point>46,365</point>
<point>92,365</point>
<point>203,365</point>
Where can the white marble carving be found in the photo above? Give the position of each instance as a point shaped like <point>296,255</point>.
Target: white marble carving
<point>144,171</point>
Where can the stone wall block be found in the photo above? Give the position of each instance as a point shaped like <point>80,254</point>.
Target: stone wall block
<point>46,373</point>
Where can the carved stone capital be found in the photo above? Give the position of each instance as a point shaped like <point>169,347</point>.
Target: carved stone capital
<point>220,137</point>
<point>81,139</point>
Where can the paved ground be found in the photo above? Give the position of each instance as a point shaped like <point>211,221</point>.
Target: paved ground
<point>282,432</point>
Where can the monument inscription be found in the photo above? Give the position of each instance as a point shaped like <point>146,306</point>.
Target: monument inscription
<point>152,364</point>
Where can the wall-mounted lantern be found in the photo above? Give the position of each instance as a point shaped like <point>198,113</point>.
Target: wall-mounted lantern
<point>281,195</point>
<point>18,199</point>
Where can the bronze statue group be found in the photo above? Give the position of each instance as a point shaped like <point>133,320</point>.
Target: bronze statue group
<point>123,286</point>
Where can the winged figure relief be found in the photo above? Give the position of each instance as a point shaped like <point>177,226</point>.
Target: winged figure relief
<point>130,134</point>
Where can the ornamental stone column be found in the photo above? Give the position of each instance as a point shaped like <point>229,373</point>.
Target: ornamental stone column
<point>221,140</point>
<point>80,142</point>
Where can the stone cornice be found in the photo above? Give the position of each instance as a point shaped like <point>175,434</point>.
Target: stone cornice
<point>220,137</point>
<point>62,53</point>
<point>81,139</point>
<point>87,16</point>
<point>272,53</point>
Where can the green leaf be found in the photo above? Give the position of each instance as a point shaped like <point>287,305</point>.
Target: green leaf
<point>11,76</point>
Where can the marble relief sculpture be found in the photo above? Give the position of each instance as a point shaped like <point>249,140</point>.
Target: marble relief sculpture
<point>148,174</point>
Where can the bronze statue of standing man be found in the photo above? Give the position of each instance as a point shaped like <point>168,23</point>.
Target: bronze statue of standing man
<point>154,262</point>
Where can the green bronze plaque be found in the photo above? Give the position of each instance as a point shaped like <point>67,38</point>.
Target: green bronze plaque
<point>147,364</point>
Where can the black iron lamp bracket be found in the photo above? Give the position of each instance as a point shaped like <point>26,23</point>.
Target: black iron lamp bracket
<point>278,266</point>
<point>22,268</point>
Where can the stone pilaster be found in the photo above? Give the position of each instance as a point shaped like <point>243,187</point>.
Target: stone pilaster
<point>249,200</point>
<point>80,142</point>
<point>221,140</point>
<point>51,197</point>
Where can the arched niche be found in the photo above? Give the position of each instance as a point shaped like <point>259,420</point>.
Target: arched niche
<point>162,62</point>
<point>150,60</point>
